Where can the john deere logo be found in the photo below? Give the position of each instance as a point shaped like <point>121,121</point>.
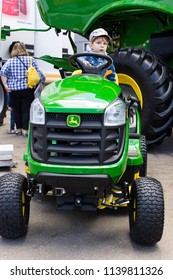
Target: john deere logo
<point>73,120</point>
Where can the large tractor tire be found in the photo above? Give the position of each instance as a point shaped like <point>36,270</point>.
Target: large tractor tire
<point>14,205</point>
<point>146,211</point>
<point>141,73</point>
<point>3,104</point>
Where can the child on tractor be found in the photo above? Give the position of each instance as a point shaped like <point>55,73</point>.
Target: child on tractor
<point>98,43</point>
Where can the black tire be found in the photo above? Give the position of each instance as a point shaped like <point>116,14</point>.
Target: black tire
<point>14,205</point>
<point>146,212</point>
<point>144,70</point>
<point>143,167</point>
<point>3,104</point>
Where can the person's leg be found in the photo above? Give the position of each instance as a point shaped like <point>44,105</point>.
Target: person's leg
<point>15,98</point>
<point>27,98</point>
<point>11,129</point>
<point>12,123</point>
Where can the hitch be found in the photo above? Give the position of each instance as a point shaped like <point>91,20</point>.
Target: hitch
<point>117,197</point>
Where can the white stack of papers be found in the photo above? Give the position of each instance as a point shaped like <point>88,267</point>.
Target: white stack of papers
<point>6,155</point>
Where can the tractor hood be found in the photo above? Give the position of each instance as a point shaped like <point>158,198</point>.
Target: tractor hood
<point>81,93</point>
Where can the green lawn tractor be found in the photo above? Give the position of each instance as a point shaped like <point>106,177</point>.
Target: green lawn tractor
<point>85,148</point>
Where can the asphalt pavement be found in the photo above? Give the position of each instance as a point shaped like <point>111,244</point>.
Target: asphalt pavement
<point>102,235</point>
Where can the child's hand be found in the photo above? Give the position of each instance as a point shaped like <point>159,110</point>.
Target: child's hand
<point>87,63</point>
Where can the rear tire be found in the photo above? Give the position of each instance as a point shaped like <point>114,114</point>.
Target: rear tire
<point>3,104</point>
<point>151,83</point>
<point>146,214</point>
<point>14,205</point>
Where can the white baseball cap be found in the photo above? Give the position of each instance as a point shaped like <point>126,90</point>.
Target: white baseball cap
<point>99,32</point>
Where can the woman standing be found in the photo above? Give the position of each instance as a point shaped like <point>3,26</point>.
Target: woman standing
<point>14,79</point>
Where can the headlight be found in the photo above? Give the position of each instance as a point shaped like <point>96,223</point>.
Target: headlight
<point>115,114</point>
<point>37,113</point>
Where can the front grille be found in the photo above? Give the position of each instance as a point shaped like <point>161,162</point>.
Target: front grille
<point>90,144</point>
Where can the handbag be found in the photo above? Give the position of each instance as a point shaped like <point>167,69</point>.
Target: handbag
<point>32,75</point>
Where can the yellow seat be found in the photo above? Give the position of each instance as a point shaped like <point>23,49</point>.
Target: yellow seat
<point>77,72</point>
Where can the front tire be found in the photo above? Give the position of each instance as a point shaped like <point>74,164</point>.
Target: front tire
<point>141,73</point>
<point>14,205</point>
<point>146,212</point>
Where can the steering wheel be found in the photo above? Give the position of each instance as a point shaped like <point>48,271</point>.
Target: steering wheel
<point>75,61</point>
